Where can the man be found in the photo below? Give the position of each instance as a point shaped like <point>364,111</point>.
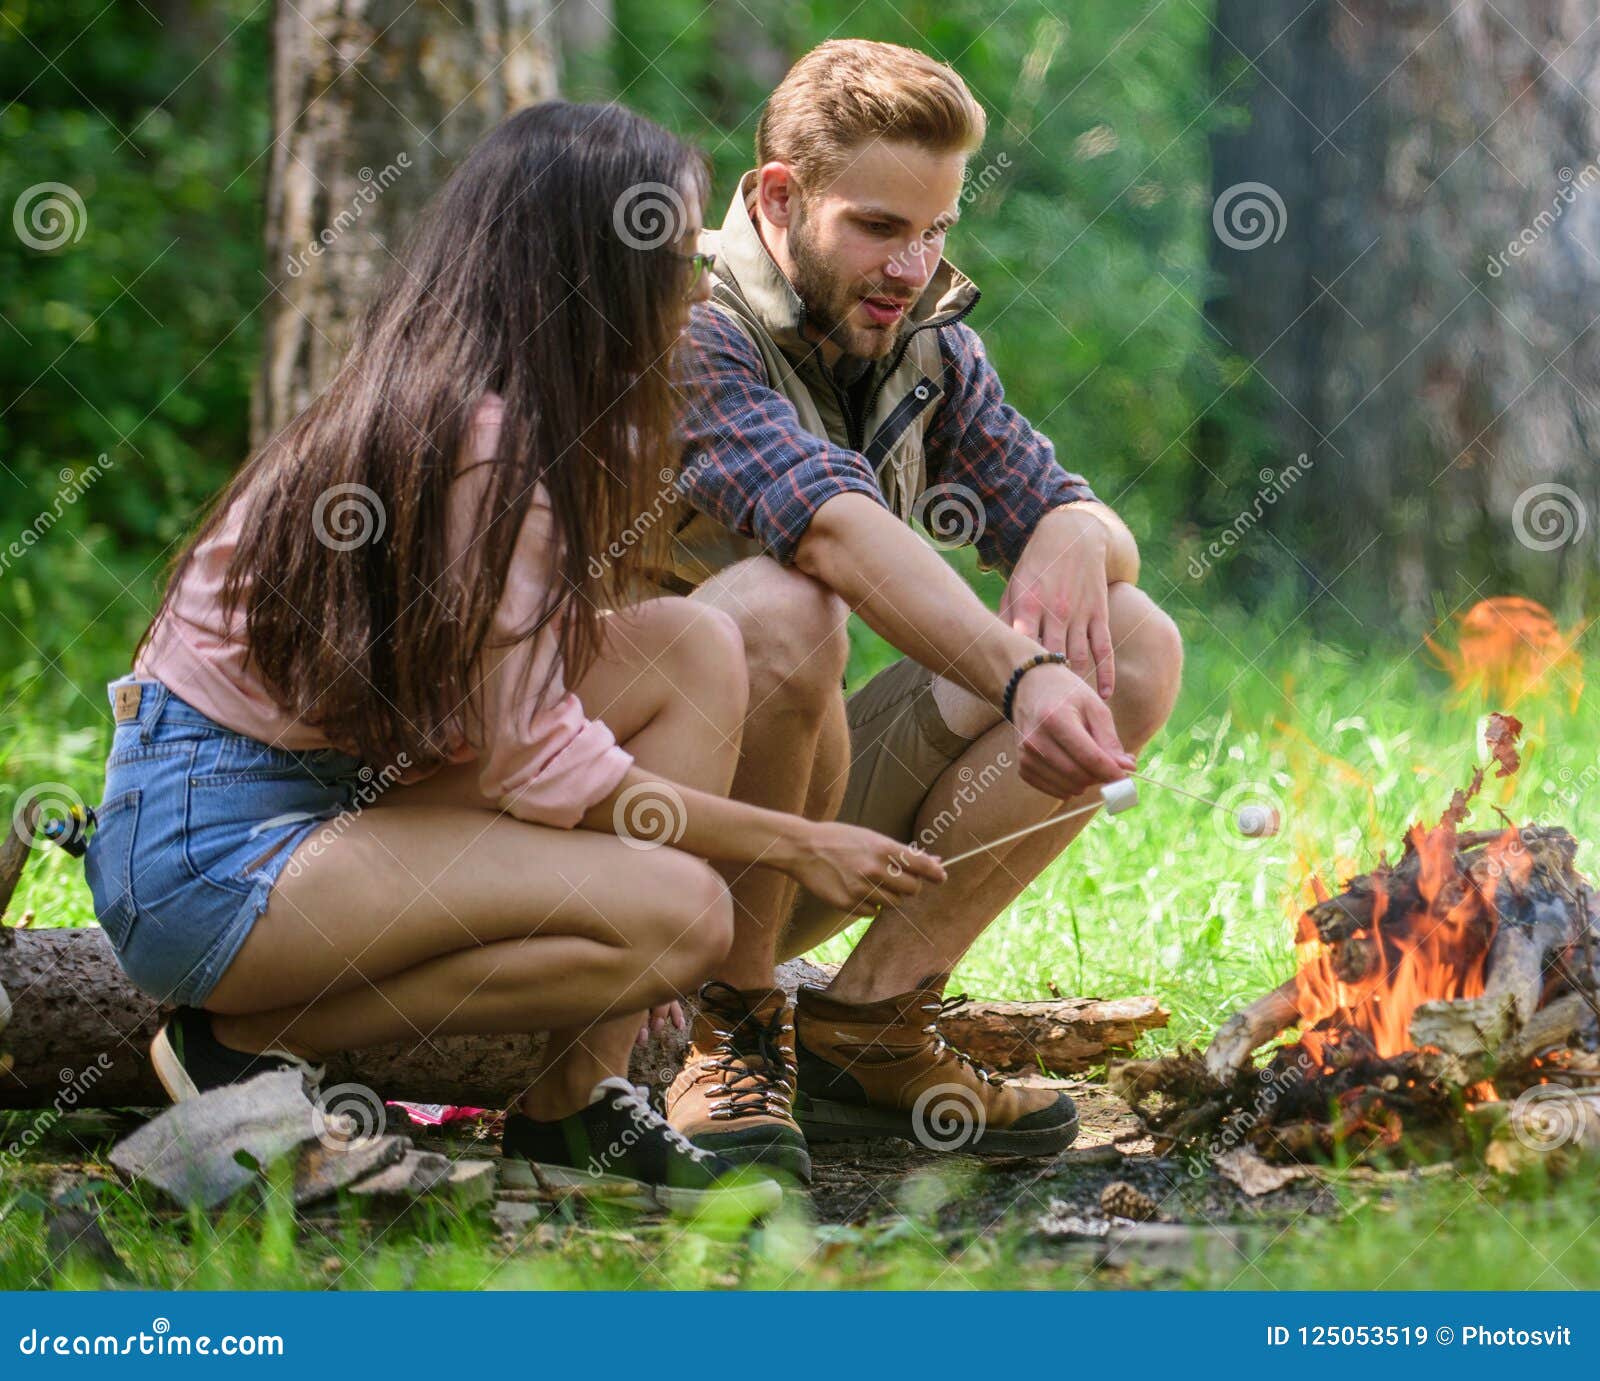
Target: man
<point>836,394</point>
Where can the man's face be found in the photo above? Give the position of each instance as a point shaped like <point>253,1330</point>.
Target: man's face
<point>860,251</point>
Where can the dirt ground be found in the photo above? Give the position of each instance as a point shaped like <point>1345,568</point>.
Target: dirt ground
<point>1052,1206</point>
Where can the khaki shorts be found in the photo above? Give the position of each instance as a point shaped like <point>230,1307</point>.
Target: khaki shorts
<point>899,746</point>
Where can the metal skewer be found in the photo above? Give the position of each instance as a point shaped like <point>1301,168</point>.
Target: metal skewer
<point>1156,781</point>
<point>1017,834</point>
<point>1119,796</point>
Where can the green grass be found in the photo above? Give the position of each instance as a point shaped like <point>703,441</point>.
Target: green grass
<point>1466,1232</point>
<point>1354,744</point>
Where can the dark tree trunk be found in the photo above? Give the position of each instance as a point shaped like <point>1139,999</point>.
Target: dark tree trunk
<point>1439,384</point>
<point>374,101</point>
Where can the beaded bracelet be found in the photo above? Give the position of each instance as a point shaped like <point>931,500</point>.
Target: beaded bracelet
<point>1006,703</point>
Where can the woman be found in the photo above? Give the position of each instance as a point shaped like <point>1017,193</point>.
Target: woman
<point>382,688</point>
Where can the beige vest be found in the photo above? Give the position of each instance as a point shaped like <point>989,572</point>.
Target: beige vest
<point>751,291</point>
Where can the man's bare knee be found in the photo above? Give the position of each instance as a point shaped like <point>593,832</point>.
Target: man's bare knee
<point>704,653</point>
<point>794,629</point>
<point>1149,663</point>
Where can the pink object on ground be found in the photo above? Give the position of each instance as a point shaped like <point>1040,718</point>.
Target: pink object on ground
<point>437,1114</point>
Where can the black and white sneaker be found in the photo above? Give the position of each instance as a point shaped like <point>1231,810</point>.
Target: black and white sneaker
<point>189,1060</point>
<point>621,1148</point>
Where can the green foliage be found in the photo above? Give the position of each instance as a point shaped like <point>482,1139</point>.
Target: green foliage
<point>126,352</point>
<point>1087,226</point>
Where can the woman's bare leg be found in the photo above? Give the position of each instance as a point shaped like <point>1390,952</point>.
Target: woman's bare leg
<point>435,913</point>
<point>690,734</point>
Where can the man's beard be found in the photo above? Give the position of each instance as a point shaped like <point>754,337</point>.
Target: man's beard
<point>828,300</point>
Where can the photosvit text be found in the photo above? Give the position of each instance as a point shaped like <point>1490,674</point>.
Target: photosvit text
<point>1415,1335</point>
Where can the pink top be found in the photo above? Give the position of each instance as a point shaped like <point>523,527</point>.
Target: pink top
<point>547,765</point>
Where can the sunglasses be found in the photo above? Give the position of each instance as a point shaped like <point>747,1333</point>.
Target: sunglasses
<point>701,264</point>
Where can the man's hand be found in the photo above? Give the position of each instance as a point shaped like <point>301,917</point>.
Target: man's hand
<point>1057,593</point>
<point>1066,735</point>
<point>908,595</point>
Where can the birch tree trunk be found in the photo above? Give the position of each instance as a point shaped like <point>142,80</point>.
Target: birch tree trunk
<point>1418,289</point>
<point>374,101</point>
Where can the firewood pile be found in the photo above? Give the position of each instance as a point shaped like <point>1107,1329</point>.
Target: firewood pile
<point>1443,1004</point>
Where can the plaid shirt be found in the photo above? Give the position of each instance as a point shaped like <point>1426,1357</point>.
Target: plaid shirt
<point>752,466</point>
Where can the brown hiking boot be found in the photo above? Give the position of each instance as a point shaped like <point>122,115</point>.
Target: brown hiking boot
<point>735,1094</point>
<point>883,1069</point>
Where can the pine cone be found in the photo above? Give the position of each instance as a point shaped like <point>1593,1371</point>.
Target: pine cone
<point>1119,1199</point>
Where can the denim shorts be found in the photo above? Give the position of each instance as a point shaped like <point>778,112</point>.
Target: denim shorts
<point>196,825</point>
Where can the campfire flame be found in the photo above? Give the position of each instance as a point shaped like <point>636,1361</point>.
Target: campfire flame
<point>1432,950</point>
<point>1423,944</point>
<point>1506,647</point>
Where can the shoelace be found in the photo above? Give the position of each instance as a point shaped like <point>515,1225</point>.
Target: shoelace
<point>767,1091</point>
<point>635,1103</point>
<point>942,1008</point>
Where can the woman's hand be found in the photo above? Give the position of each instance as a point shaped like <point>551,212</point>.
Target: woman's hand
<point>656,1019</point>
<point>856,869</point>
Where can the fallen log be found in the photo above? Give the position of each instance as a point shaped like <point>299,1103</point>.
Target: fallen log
<point>81,1031</point>
<point>14,851</point>
<point>1061,1036</point>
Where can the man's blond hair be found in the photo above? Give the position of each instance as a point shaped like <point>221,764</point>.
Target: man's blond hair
<point>850,90</point>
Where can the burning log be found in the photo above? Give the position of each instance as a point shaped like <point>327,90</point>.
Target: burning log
<point>1568,1022</point>
<point>1542,909</point>
<point>1250,1028</point>
<point>1464,974</point>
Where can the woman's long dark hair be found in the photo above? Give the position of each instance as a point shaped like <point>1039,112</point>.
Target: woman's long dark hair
<point>519,278</point>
